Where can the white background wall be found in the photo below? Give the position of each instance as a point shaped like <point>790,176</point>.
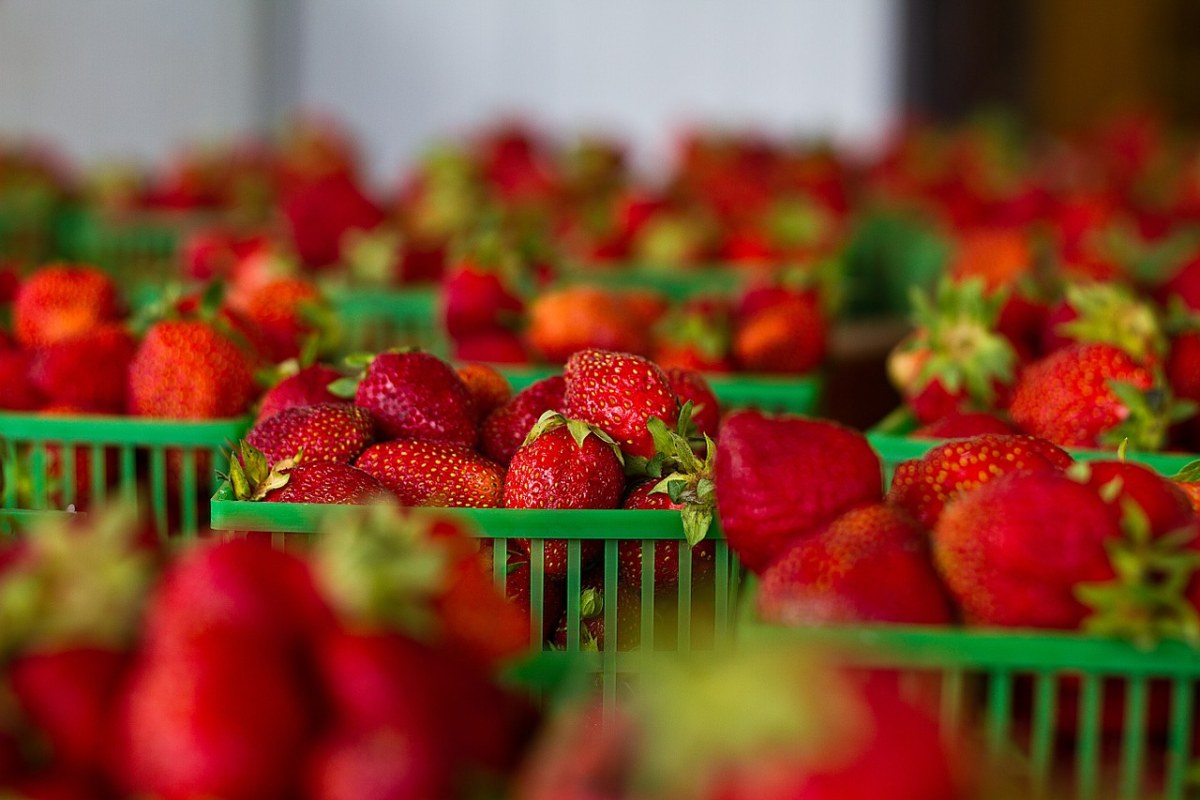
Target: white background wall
<point>136,76</point>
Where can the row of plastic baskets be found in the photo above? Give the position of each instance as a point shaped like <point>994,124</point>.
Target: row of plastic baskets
<point>378,319</point>
<point>676,283</point>
<point>1065,715</point>
<point>57,463</point>
<point>799,394</point>
<point>586,614</point>
<point>893,440</point>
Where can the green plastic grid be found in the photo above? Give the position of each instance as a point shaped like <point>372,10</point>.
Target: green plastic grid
<point>892,439</point>
<point>1010,684</point>
<point>676,283</point>
<point>681,620</point>
<point>167,468</point>
<point>133,247</point>
<point>377,319</point>
<point>794,395</point>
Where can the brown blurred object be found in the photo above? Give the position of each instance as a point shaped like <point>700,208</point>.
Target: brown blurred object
<point>857,390</point>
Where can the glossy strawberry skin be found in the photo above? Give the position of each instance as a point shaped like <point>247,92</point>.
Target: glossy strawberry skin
<point>924,486</point>
<point>505,429</point>
<point>416,395</point>
<point>619,393</point>
<point>706,409</point>
<point>308,387</point>
<point>781,478</point>
<point>89,371</point>
<point>489,389</point>
<point>377,764</point>
<point>434,474</point>
<point>964,424</point>
<point>220,381</point>
<point>477,301</point>
<point>667,553</point>
<point>61,302</point>
<point>1065,397</point>
<point>329,482</point>
<point>325,432</point>
<point>871,564</point>
<point>1166,506</point>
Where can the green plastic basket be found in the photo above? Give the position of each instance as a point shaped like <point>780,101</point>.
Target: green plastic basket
<point>1011,686</point>
<point>698,615</point>
<point>892,439</point>
<point>676,283</point>
<point>794,395</point>
<point>166,468</point>
<point>374,320</point>
<point>133,247</point>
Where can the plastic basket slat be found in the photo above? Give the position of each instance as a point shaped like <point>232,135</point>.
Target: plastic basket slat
<point>377,319</point>
<point>677,284</point>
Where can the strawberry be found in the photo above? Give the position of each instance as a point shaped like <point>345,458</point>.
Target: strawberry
<point>1106,313</point>
<point>620,393</point>
<point>871,564</point>
<point>963,424</point>
<point>923,487</point>
<point>328,482</point>
<point>68,695</point>
<point>830,470</point>
<point>788,336</point>
<point>324,432</point>
<point>518,587</point>
<point>505,429</point>
<point>565,464</point>
<point>691,386</point>
<point>57,785</point>
<point>1182,371</point>
<point>321,212</point>
<point>565,321</point>
<point>489,389</point>
<point>592,617</point>
<point>377,764</point>
<point>434,474</point>
<point>63,301</point>
<point>285,312</point>
<point>477,299</point>
<point>1093,395</point>
<point>415,395</point>
<point>954,361</point>
<point>666,553</point>
<point>1165,506</point>
<point>17,389</point>
<point>308,387</point>
<point>694,337</point>
<point>497,347</point>
<point>220,385</point>
<point>90,371</point>
<point>996,257</point>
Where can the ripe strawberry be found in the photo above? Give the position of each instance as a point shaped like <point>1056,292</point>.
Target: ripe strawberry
<point>489,389</point>
<point>434,474</point>
<point>689,385</point>
<point>285,312</point>
<point>518,587</point>
<point>955,360</point>
<point>325,432</point>
<point>57,784</point>
<point>871,564</point>
<point>830,469</point>
<point>415,395</point>
<point>565,321</point>
<point>322,211</point>
<point>620,393</point>
<point>1182,370</point>
<point>788,336</point>
<point>220,381</point>
<point>308,387</point>
<point>477,300</point>
<point>377,764</point>
<point>1106,313</point>
<point>328,482</point>
<point>565,464</point>
<point>17,390</point>
<point>666,553</point>
<point>505,429</point>
<point>1165,506</point>
<point>63,301</point>
<point>497,347</point>
<point>89,371</point>
<point>924,486</point>
<point>964,424</point>
<point>1092,395</point>
<point>695,337</point>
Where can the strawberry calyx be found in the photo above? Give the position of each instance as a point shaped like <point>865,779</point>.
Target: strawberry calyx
<point>1109,313</point>
<point>1150,413</point>
<point>1146,600</point>
<point>693,327</point>
<point>578,429</point>
<point>372,258</point>
<point>683,476</point>
<point>957,339</point>
<point>252,478</point>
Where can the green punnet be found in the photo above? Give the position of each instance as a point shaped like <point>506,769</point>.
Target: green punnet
<point>1112,314</point>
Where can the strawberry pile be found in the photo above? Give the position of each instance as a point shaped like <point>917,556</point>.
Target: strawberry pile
<point>993,530</point>
<point>613,431</point>
<point>236,670</point>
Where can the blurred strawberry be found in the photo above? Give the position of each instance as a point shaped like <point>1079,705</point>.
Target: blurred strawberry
<point>17,389</point>
<point>564,321</point>
<point>377,764</point>
<point>89,371</point>
<point>287,311</point>
<point>691,386</point>
<point>787,336</point>
<point>496,347</point>
<point>505,429</point>
<point>220,383</point>
<point>488,387</point>
<point>320,213</point>
<point>63,301</point>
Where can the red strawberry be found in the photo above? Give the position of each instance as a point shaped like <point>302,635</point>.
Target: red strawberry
<point>871,564</point>
<point>830,470</point>
<point>497,347</point>
<point>619,393</point>
<point>230,719</point>
<point>568,320</point>
<point>61,302</point>
<point>377,764</point>
<point>90,371</point>
<point>57,785</point>
<point>666,553</point>
<point>308,387</point>
<point>518,587</point>
<point>963,424</point>
<point>285,312</point>
<point>489,389</point>
<point>1182,370</point>
<point>325,432</point>
<point>923,487</point>
<point>434,474</point>
<point>68,695</point>
<point>1165,505</point>
<point>328,482</point>
<point>565,464</point>
<point>321,212</point>
<point>505,429</point>
<point>477,300</point>
<point>17,390</point>
<point>1091,395</point>
<point>788,336</point>
<point>219,382</point>
<point>706,409</point>
<point>991,547</point>
<point>415,395</point>
<point>1106,313</point>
